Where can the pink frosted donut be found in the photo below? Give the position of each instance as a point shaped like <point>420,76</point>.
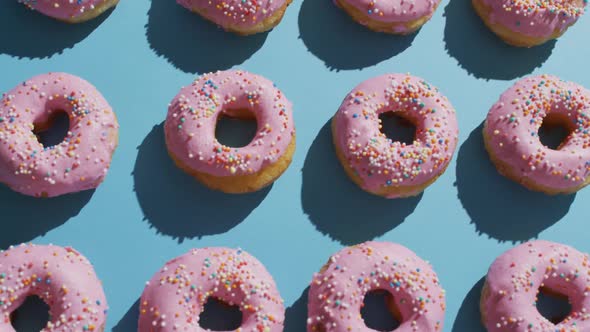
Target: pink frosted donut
<point>337,293</point>
<point>62,278</point>
<point>396,17</point>
<point>529,22</point>
<point>174,298</point>
<point>511,134</point>
<point>71,11</point>
<point>242,17</point>
<point>190,131</point>
<point>378,164</point>
<point>509,296</point>
<point>78,163</point>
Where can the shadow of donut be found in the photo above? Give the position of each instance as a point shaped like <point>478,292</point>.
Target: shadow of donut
<point>28,34</point>
<point>296,314</point>
<point>469,317</point>
<point>25,218</point>
<point>332,36</point>
<point>337,207</point>
<point>129,321</point>
<point>483,54</point>
<point>192,44</point>
<point>500,208</point>
<point>175,204</point>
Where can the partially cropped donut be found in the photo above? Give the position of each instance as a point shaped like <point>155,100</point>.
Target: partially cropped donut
<point>512,140</point>
<point>174,298</point>
<point>71,11</point>
<point>190,131</point>
<point>63,278</point>
<point>243,17</point>
<point>515,279</point>
<point>389,168</point>
<point>395,17</point>
<point>337,292</point>
<point>528,23</point>
<point>78,163</point>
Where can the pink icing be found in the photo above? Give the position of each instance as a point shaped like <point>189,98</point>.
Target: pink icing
<point>63,9</point>
<point>514,280</point>
<point>61,277</point>
<point>389,11</point>
<point>174,298</point>
<point>513,123</point>
<point>192,117</point>
<point>536,18</point>
<point>78,163</point>
<point>235,13</point>
<point>337,294</point>
<point>377,160</point>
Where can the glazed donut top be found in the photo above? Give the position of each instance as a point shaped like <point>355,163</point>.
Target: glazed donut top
<point>61,277</point>
<point>174,298</point>
<point>513,123</point>
<point>378,160</point>
<point>395,11</point>
<point>78,163</point>
<point>515,277</point>
<point>536,18</point>
<point>236,13</point>
<point>192,118</point>
<point>62,9</point>
<point>337,293</point>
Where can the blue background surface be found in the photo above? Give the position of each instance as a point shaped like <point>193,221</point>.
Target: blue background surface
<point>147,211</point>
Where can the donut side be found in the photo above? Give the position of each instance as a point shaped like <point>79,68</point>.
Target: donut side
<point>398,28</point>
<point>508,35</point>
<point>265,25</point>
<point>242,183</point>
<point>92,14</point>
<point>483,300</point>
<point>70,11</point>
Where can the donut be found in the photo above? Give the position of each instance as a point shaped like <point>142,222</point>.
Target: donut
<point>509,295</point>
<point>174,298</point>
<point>238,16</point>
<point>337,292</point>
<point>394,17</point>
<point>527,23</point>
<point>512,140</point>
<point>70,11</point>
<point>61,277</point>
<point>190,131</point>
<point>389,168</point>
<point>78,163</point>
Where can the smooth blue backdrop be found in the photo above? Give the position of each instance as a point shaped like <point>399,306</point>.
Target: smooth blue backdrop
<point>147,211</point>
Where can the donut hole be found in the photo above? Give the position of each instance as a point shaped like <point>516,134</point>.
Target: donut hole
<point>554,307</point>
<point>218,315</point>
<point>52,130</point>
<point>555,130</point>
<point>379,311</point>
<point>397,128</point>
<point>236,128</point>
<point>32,315</point>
